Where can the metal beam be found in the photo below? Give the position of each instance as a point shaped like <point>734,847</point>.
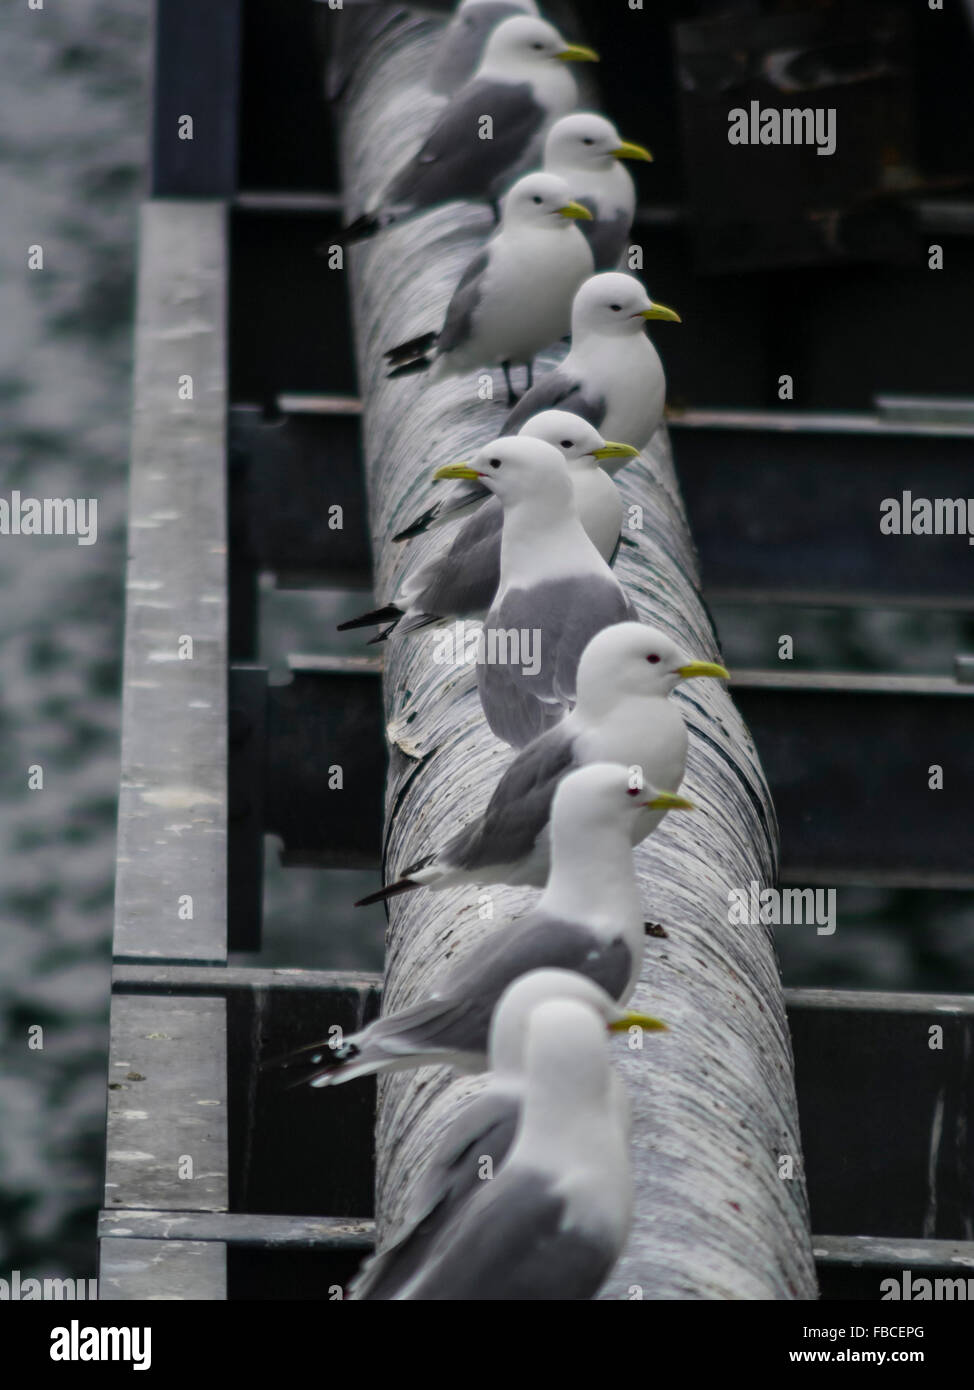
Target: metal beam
<point>170,888</point>
<point>197,68</point>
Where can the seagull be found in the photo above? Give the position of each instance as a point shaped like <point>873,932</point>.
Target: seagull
<point>623,715</point>
<point>588,919</point>
<point>612,376</point>
<point>515,296</point>
<point>461,46</point>
<point>520,87</point>
<point>555,590</point>
<point>552,1221</point>
<point>461,580</point>
<point>585,149</point>
<point>600,510</point>
<point>479,1138</point>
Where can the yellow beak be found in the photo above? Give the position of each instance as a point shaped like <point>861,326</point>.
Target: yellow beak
<point>578,211</point>
<point>703,668</point>
<point>627,150</point>
<point>456,470</point>
<point>669,801</point>
<point>660,311</point>
<point>608,450</point>
<point>577,53</point>
<point>644,1021</point>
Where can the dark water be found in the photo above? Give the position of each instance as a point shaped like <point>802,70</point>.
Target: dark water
<point>72,105</point>
<point>73,101</point>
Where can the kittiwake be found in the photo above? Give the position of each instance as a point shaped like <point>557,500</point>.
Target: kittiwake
<point>588,919</point>
<point>483,1132</point>
<point>515,296</point>
<point>460,581</point>
<point>555,590</point>
<point>612,375</point>
<point>622,715</point>
<point>462,43</point>
<point>585,150</point>
<point>521,86</point>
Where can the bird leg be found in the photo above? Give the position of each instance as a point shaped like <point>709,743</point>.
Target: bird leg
<point>529,368</point>
<point>512,398</point>
<point>495,208</point>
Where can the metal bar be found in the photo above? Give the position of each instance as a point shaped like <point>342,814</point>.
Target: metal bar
<point>876,1252</point>
<point>239,1228</point>
<point>222,980</point>
<point>170,892</point>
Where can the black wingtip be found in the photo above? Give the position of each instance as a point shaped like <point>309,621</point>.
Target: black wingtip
<point>363,227</point>
<point>419,526</point>
<point>389,890</point>
<point>311,1062</point>
<point>415,347</point>
<point>378,615</point>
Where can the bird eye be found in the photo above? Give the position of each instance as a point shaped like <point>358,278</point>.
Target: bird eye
<point>536,199</point>
<point>615,308</point>
<point>587,140</point>
<point>538,46</point>
<point>496,463</point>
<point>652,659</point>
<point>567,444</point>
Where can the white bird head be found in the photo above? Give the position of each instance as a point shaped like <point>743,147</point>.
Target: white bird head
<point>634,659</point>
<point>509,1025</point>
<point>518,469</point>
<point>586,140</point>
<point>604,796</point>
<point>615,305</point>
<point>579,442</point>
<point>527,6</point>
<point>521,43</point>
<point>542,200</point>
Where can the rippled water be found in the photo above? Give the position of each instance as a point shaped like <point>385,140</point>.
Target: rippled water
<point>72,103</point>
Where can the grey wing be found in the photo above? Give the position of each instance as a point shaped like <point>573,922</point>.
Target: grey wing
<point>510,1243</point>
<point>538,941</point>
<point>510,700</point>
<point>463,582</point>
<point>608,238</point>
<point>485,1129</point>
<point>458,324</point>
<point>557,390</point>
<point>519,808</point>
<point>575,610</point>
<point>454,161</point>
